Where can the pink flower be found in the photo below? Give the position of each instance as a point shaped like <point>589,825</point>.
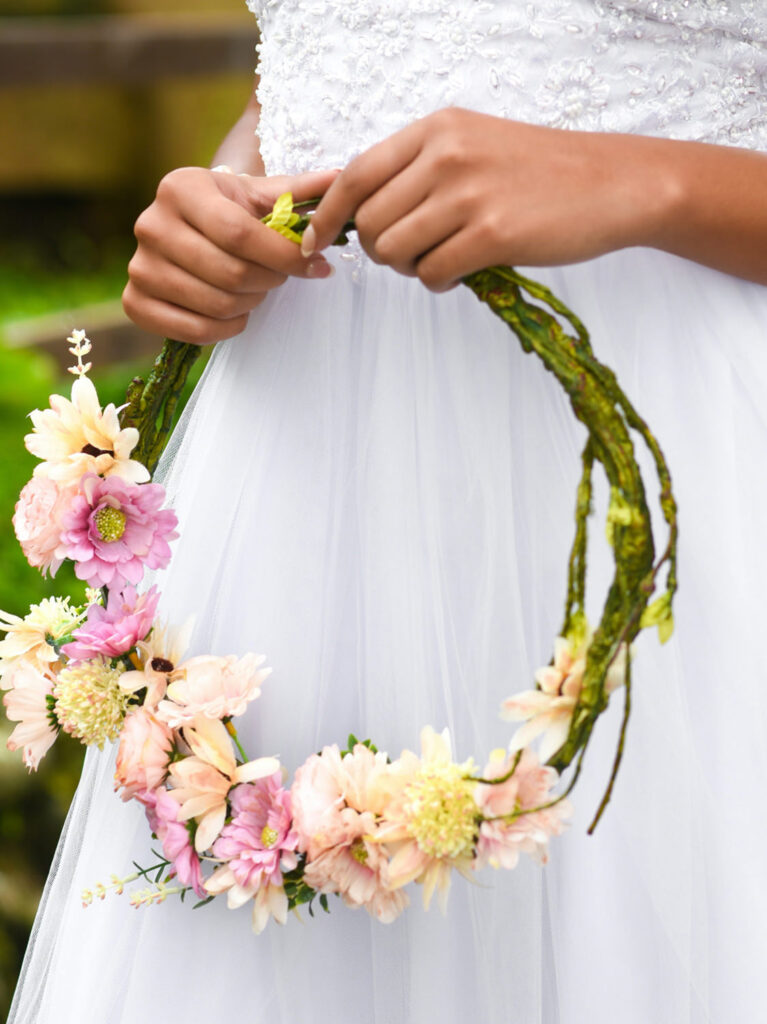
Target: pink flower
<point>502,840</point>
<point>258,845</point>
<point>26,704</point>
<point>114,630</point>
<point>37,521</point>
<point>115,528</point>
<point>143,754</point>
<point>162,811</point>
<point>212,686</point>
<point>548,710</point>
<point>260,840</point>
<point>336,801</point>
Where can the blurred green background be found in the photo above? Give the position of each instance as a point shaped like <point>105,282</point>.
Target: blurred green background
<point>98,98</point>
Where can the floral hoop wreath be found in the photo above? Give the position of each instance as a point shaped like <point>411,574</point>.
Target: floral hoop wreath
<point>354,823</point>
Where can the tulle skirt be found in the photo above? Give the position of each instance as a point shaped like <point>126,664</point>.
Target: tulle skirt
<point>376,489</point>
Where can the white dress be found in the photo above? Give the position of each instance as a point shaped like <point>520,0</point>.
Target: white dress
<point>376,487</point>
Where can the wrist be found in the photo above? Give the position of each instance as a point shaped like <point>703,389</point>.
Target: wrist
<point>656,192</point>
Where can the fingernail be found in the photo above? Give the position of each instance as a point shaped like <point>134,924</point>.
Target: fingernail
<point>320,268</point>
<point>309,241</point>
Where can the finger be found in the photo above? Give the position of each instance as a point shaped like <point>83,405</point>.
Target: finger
<point>258,195</point>
<point>177,286</point>
<point>407,240</point>
<point>169,321</point>
<point>192,252</point>
<point>228,228</point>
<point>359,180</point>
<point>460,254</point>
<point>397,198</point>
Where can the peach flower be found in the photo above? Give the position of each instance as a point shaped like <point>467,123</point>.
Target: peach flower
<point>143,755</point>
<point>37,522</point>
<point>201,783</point>
<point>27,704</point>
<point>548,710</point>
<point>212,686</point>
<point>336,802</point>
<point>513,832</point>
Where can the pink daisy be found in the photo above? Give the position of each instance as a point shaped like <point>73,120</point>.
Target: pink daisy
<point>114,528</point>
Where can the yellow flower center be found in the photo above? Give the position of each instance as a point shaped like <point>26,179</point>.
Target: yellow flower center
<point>110,523</point>
<point>269,836</point>
<point>359,851</point>
<point>441,810</point>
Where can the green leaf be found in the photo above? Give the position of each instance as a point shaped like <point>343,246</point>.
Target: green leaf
<point>659,614</point>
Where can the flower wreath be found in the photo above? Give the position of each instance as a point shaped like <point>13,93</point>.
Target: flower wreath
<point>354,822</point>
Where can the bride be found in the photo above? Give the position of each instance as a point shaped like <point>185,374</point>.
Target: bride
<point>374,485</point>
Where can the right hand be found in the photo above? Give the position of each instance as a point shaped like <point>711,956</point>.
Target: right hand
<point>204,259</point>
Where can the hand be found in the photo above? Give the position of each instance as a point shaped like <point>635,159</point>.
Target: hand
<point>458,191</point>
<point>204,260</point>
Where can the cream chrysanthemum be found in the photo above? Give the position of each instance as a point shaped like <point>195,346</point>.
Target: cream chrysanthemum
<point>432,819</point>
<point>30,640</point>
<point>90,705</point>
<point>76,437</point>
<point>441,811</point>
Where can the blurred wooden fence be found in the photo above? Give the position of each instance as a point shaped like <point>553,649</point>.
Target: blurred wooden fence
<point>106,105</point>
<point>112,102</point>
<point>114,49</point>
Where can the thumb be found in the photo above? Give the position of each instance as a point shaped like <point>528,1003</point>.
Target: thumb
<point>257,195</point>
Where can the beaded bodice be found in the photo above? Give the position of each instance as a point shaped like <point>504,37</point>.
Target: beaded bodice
<point>337,75</point>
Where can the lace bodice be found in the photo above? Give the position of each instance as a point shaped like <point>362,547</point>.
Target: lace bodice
<point>337,75</point>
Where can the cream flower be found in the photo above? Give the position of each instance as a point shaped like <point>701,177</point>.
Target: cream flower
<point>30,640</point>
<point>548,710</point>
<point>89,702</point>
<point>212,686</point>
<point>27,704</point>
<point>269,900</point>
<point>156,659</point>
<point>75,437</point>
<point>201,783</point>
<point>432,819</point>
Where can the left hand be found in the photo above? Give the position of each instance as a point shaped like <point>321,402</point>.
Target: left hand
<point>458,191</point>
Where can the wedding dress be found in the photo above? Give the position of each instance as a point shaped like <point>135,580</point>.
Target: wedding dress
<point>375,488</point>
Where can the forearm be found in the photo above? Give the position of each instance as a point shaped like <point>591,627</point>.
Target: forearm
<point>240,149</point>
<point>712,205</point>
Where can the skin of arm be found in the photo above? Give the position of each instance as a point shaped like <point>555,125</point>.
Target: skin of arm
<point>239,150</point>
<point>458,190</point>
